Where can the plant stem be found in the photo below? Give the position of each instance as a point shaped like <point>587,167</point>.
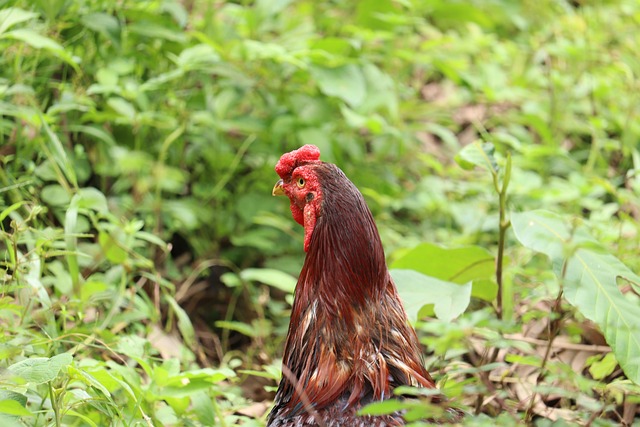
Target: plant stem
<point>554,329</point>
<point>499,261</point>
<point>503,227</point>
<point>218,412</point>
<point>54,405</point>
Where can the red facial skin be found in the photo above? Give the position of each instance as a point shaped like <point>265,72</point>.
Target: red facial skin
<point>301,186</point>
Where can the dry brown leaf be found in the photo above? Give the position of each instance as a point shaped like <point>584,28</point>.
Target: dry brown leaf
<point>629,412</point>
<point>592,334</point>
<point>168,345</point>
<point>524,392</point>
<point>470,113</point>
<point>256,410</point>
<point>434,93</point>
<point>536,328</point>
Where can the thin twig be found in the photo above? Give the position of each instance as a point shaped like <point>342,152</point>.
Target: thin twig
<point>486,380</point>
<point>593,417</point>
<point>561,345</point>
<point>554,328</point>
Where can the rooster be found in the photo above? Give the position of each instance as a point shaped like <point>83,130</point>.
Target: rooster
<point>349,342</point>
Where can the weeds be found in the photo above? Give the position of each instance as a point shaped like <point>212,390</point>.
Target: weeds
<point>147,273</point>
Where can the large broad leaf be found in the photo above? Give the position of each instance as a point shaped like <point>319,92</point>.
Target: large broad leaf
<point>457,265</point>
<point>345,82</point>
<point>39,370</point>
<point>589,282</point>
<point>449,300</point>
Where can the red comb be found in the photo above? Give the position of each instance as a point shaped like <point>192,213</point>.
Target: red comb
<point>291,160</point>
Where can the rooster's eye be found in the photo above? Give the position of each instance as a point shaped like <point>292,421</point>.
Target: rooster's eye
<point>300,182</point>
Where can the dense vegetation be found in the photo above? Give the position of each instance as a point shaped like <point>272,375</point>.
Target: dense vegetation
<point>147,272</point>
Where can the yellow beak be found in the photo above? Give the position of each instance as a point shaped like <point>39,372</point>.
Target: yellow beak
<point>278,189</point>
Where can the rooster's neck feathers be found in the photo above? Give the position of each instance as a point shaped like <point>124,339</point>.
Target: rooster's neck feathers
<point>349,341</point>
<point>345,264</point>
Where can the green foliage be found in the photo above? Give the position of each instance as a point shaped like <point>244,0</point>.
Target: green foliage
<point>420,292</point>
<point>140,246</point>
<point>459,265</point>
<point>589,281</point>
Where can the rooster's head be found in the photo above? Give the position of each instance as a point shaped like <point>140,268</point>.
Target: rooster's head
<point>300,183</point>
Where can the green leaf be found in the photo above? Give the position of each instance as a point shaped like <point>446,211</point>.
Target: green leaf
<point>62,279</point>
<point>232,325</point>
<point>601,369</point>
<point>542,231</point>
<point>330,51</point>
<point>94,132</point>
<point>210,375</point>
<point>12,395</point>
<point>457,265</point>
<point>111,248</point>
<point>151,238</point>
<point>13,407</point>
<point>268,276</point>
<point>478,154</point>
<point>72,413</point>
<point>39,370</point>
<point>589,282</point>
<point>203,408</point>
<point>187,383</point>
<point>6,212</point>
<point>92,289</point>
<point>92,198</point>
<point>38,41</point>
<point>271,374</point>
<point>12,16</point>
<point>122,107</point>
<point>103,23</point>
<point>369,13</point>
<point>132,346</point>
<point>382,408</point>
<point>417,290</point>
<point>271,7</point>
<point>157,31</point>
<point>524,360</point>
<point>88,379</point>
<point>55,195</point>
<point>484,289</point>
<point>10,421</point>
<point>184,322</point>
<point>59,155</point>
<point>231,280</point>
<point>345,82</point>
<point>158,81</point>
<point>273,51</point>
<point>71,241</point>
<point>198,56</point>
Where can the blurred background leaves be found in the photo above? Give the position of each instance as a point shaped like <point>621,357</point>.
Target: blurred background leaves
<point>137,145</point>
